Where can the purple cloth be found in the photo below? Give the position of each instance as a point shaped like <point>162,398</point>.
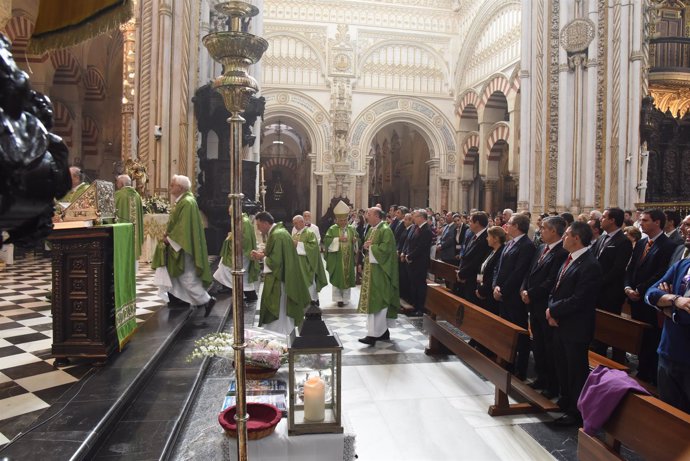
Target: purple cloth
<point>600,396</point>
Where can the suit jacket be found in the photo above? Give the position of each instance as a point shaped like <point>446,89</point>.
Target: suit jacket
<point>675,237</point>
<point>642,273</point>
<point>471,263</point>
<point>486,287</point>
<point>542,276</point>
<point>514,264</point>
<point>401,236</point>
<point>419,250</point>
<point>394,224</point>
<point>446,241</point>
<point>613,257</point>
<point>399,233</point>
<point>677,255</point>
<point>573,301</point>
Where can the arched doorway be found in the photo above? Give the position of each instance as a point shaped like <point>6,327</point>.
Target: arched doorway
<point>285,168</point>
<point>398,169</point>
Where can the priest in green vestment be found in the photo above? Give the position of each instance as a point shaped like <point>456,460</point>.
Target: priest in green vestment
<point>251,267</point>
<point>128,208</point>
<point>309,257</point>
<point>341,242</point>
<point>379,296</point>
<point>78,187</point>
<point>185,255</point>
<point>284,297</point>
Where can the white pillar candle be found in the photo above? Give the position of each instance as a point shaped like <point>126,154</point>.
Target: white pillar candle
<point>314,399</point>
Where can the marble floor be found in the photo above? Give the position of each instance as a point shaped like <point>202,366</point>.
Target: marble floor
<point>400,403</point>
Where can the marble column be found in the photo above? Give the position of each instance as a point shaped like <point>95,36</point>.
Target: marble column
<point>489,193</point>
<point>434,183</point>
<point>465,196</point>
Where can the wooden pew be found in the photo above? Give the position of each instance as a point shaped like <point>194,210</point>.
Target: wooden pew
<point>619,332</point>
<point>644,424</point>
<point>445,271</point>
<point>492,332</point>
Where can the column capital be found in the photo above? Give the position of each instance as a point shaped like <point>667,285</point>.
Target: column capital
<point>466,183</point>
<point>490,184</point>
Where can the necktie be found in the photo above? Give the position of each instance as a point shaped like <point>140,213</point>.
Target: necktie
<point>646,249</point>
<point>602,245</point>
<point>563,269</point>
<point>686,253</point>
<point>543,255</point>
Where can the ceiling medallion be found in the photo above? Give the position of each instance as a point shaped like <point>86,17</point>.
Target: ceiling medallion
<point>577,35</point>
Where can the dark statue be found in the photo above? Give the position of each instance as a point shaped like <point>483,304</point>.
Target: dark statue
<point>34,167</point>
<point>214,173</point>
<point>668,143</point>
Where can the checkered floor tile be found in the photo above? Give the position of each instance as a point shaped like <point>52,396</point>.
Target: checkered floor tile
<point>28,381</point>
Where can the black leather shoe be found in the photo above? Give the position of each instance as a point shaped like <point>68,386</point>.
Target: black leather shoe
<point>250,295</point>
<point>341,304</point>
<point>385,336</point>
<point>568,420</point>
<point>415,314</point>
<point>209,305</point>
<point>176,302</point>
<point>370,340</point>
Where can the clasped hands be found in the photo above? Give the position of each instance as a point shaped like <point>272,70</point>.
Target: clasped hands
<point>257,255</point>
<point>681,302</point>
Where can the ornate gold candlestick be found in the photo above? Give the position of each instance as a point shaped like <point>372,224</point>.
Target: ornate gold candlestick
<point>237,50</point>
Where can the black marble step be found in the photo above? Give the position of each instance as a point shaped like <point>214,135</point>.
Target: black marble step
<point>149,424</point>
<point>83,417</point>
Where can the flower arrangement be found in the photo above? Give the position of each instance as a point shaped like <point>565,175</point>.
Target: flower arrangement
<point>263,351</point>
<point>156,204</point>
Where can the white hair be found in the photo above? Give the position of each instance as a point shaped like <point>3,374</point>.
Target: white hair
<point>124,180</point>
<point>595,214</point>
<point>182,181</point>
<point>298,218</point>
<point>508,211</point>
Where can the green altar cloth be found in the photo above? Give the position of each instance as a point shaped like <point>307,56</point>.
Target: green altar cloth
<point>125,281</point>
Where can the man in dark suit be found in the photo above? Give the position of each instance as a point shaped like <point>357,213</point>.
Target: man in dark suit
<point>445,248</point>
<point>671,229</point>
<point>475,253</point>
<point>613,252</point>
<point>535,291</point>
<point>403,232</point>
<point>571,313</point>
<point>401,228</point>
<point>393,215</point>
<point>682,251</point>
<point>512,267</point>
<point>648,264</point>
<point>417,259</point>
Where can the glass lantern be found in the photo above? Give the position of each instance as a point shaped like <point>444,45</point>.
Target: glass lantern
<point>314,358</point>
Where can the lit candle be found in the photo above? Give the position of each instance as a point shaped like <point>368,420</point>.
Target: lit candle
<point>262,175</point>
<point>314,399</point>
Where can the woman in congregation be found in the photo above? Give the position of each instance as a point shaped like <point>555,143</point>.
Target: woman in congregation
<point>496,238</point>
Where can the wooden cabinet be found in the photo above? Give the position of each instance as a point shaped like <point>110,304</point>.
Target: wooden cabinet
<point>83,303</point>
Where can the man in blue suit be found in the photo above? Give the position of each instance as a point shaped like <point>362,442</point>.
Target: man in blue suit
<point>671,295</point>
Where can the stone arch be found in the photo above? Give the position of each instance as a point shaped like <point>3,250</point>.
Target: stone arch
<point>67,68</point>
<point>94,84</point>
<point>89,136</point>
<point>498,132</point>
<point>291,49</point>
<point>495,83</point>
<point>18,31</point>
<point>63,122</point>
<point>436,129</point>
<point>468,98</point>
<point>306,112</point>
<point>470,147</point>
<point>476,31</point>
<point>410,65</point>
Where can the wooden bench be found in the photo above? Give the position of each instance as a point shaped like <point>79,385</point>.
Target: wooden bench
<point>491,331</point>
<point>619,332</point>
<point>445,271</point>
<point>644,424</point>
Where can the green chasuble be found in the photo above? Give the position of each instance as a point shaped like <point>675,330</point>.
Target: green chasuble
<point>129,209</point>
<point>380,285</point>
<point>341,263</point>
<point>281,258</point>
<point>311,264</point>
<point>248,244</point>
<point>74,193</point>
<point>125,282</point>
<point>186,229</point>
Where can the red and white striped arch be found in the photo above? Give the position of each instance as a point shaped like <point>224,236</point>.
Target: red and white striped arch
<point>501,84</point>
<point>63,123</point>
<point>288,163</point>
<point>89,136</point>
<point>94,84</point>
<point>18,31</point>
<point>471,142</point>
<point>470,98</point>
<point>67,68</point>
<point>500,132</point>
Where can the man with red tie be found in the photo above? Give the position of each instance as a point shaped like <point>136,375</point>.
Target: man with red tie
<point>570,313</point>
<point>648,264</point>
<point>534,292</point>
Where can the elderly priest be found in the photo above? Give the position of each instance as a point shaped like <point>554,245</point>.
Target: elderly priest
<point>309,257</point>
<point>129,208</point>
<point>78,187</point>
<point>184,251</point>
<point>341,242</point>
<point>251,267</point>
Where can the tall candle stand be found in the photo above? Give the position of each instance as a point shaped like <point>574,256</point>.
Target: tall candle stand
<point>236,51</point>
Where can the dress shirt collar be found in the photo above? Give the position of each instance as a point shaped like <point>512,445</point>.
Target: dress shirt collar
<point>576,254</point>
